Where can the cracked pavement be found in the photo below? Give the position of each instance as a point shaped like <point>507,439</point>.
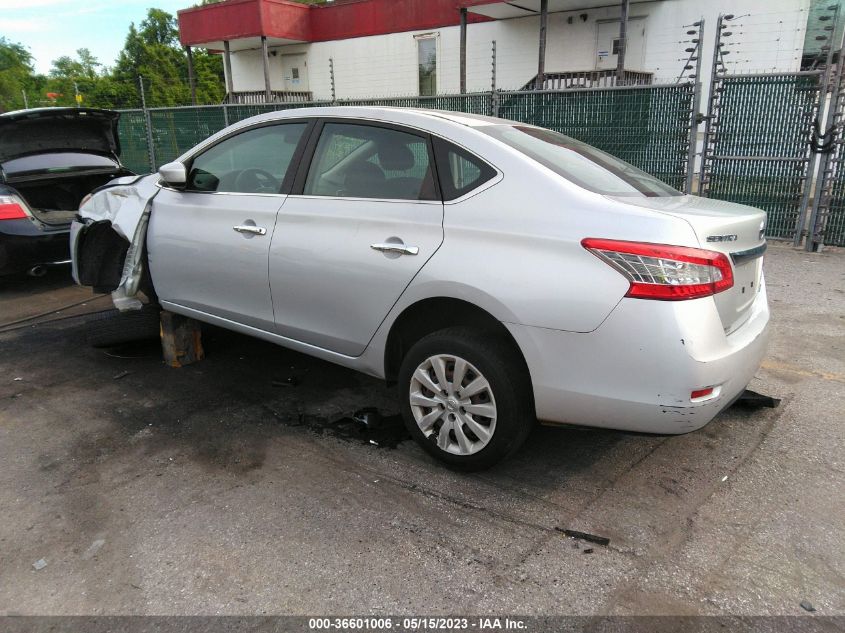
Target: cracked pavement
<point>205,490</point>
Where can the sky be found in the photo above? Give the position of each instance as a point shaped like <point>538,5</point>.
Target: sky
<point>52,28</point>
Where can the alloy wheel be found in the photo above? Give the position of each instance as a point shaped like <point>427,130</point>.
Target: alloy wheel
<point>453,404</point>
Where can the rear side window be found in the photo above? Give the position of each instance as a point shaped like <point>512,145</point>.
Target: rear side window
<point>363,161</point>
<point>254,161</point>
<point>584,165</point>
<point>460,172</point>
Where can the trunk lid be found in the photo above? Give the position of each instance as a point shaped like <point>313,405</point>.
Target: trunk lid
<point>43,130</point>
<point>734,229</point>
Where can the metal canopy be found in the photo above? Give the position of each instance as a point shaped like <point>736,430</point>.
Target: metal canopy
<point>504,9</point>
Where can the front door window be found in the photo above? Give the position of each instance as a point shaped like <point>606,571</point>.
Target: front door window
<point>254,161</point>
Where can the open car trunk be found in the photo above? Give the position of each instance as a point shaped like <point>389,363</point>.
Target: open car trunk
<point>54,157</point>
<point>56,200</point>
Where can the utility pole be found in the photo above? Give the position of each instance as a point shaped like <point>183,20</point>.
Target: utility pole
<point>192,81</point>
<point>463,62</point>
<point>540,83</point>
<point>227,67</point>
<point>623,43</point>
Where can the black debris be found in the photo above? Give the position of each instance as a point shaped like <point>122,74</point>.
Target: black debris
<point>754,400</point>
<point>122,374</point>
<point>584,536</point>
<point>589,550</point>
<point>369,417</point>
<point>367,426</point>
<point>807,606</point>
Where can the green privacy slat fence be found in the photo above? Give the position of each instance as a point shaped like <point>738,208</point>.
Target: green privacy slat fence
<point>833,223</point>
<point>648,127</point>
<point>176,130</point>
<point>481,103</point>
<point>132,131</point>
<point>758,151</point>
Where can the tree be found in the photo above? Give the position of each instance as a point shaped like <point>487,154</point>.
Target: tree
<point>69,75</point>
<point>16,74</point>
<point>152,51</point>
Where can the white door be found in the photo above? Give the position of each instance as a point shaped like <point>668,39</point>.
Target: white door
<point>367,220</point>
<point>294,73</point>
<point>607,44</point>
<point>209,243</point>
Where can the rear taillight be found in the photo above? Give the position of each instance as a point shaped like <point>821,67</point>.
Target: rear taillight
<point>11,209</point>
<point>667,273</point>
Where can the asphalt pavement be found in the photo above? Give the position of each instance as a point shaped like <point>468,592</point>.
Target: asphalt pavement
<point>244,484</point>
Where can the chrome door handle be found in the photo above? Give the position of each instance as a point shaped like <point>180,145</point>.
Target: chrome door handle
<point>399,249</point>
<point>248,228</point>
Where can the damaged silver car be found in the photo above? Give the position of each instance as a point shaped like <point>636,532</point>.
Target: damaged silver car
<point>498,272</point>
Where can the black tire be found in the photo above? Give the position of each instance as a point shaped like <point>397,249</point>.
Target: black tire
<point>111,328</point>
<point>505,371</point>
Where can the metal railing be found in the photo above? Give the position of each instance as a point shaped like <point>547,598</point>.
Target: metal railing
<point>607,78</point>
<point>256,97</point>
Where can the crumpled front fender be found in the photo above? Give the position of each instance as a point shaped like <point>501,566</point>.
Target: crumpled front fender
<point>125,203</point>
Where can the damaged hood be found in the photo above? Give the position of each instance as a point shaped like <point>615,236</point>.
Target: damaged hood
<point>42,130</point>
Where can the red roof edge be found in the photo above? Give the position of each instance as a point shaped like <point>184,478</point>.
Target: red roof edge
<point>236,19</point>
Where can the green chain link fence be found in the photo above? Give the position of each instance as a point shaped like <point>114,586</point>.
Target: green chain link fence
<point>134,151</point>
<point>758,153</point>
<point>834,221</point>
<point>649,127</point>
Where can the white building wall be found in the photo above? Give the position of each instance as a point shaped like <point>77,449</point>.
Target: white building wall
<point>386,65</point>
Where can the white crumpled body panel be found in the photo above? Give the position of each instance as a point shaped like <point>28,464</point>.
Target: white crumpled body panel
<point>126,204</point>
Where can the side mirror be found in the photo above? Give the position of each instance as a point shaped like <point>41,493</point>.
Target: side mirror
<point>173,174</point>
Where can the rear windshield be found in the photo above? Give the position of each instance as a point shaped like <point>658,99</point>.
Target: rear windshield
<point>580,163</point>
<point>56,163</point>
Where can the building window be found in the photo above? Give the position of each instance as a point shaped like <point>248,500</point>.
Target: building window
<point>427,49</point>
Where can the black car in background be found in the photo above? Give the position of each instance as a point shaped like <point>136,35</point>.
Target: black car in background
<point>50,159</point>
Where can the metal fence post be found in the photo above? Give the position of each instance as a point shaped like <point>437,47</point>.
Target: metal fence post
<point>696,104</point>
<point>711,102</point>
<point>225,115</point>
<point>815,241</point>
<point>494,95</point>
<point>148,124</point>
<point>821,119</point>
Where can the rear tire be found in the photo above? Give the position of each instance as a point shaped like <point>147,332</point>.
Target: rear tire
<point>466,397</point>
<point>111,328</point>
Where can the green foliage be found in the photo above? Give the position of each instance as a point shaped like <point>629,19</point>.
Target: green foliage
<point>151,50</point>
<point>16,75</point>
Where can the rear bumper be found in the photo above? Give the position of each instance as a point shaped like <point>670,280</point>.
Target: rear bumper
<point>636,371</point>
<point>22,247</point>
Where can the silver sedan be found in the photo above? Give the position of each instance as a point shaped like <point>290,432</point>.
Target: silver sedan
<point>500,273</point>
